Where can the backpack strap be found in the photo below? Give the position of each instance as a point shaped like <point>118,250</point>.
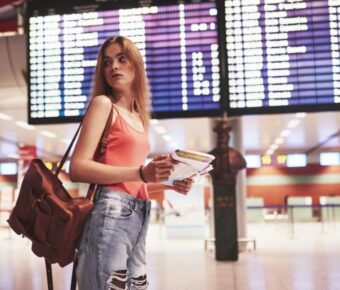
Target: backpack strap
<point>49,275</point>
<point>100,151</point>
<point>90,193</point>
<point>74,276</point>
<point>104,138</point>
<point>102,143</point>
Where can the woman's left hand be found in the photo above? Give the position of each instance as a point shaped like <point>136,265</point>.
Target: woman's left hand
<point>182,186</point>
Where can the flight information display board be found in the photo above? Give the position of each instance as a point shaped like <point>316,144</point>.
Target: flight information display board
<point>179,43</point>
<point>283,56</point>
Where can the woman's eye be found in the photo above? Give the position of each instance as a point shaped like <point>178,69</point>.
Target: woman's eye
<point>107,63</point>
<point>122,59</point>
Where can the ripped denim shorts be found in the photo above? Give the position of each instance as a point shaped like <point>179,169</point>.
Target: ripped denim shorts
<point>112,246</point>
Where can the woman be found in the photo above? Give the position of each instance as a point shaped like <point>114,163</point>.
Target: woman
<point>112,247</point>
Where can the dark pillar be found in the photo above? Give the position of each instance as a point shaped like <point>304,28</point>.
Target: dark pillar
<point>226,246</point>
<point>228,161</point>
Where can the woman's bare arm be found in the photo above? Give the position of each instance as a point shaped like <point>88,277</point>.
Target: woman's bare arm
<point>83,168</point>
<point>155,187</point>
<point>181,186</point>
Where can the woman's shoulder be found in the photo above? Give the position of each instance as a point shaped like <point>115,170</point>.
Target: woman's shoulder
<point>101,100</point>
<point>99,107</point>
<point>101,104</point>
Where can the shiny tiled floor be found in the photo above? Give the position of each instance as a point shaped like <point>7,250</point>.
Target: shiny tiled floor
<point>308,261</point>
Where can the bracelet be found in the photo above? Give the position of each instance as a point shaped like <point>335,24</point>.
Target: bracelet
<point>141,174</point>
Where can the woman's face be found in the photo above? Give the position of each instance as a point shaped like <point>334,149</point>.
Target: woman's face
<point>118,71</point>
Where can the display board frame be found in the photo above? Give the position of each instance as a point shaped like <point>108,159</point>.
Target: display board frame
<point>317,106</point>
<point>39,8</point>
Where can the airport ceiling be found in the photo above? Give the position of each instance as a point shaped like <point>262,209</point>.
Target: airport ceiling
<point>280,133</point>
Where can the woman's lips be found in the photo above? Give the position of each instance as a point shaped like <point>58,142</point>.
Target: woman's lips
<point>115,76</point>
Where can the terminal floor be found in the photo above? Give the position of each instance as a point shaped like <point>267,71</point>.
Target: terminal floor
<point>310,260</point>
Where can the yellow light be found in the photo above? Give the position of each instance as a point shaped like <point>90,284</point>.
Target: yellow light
<point>266,159</point>
<point>48,165</point>
<point>281,159</point>
<point>63,168</point>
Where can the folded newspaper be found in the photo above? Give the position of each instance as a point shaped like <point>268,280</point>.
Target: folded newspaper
<point>190,164</point>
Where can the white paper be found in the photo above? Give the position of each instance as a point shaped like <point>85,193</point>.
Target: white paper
<point>190,164</point>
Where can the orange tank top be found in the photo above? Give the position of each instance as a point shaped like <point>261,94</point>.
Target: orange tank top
<point>127,147</point>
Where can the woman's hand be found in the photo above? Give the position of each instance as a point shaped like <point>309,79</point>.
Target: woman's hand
<point>182,186</point>
<point>158,170</point>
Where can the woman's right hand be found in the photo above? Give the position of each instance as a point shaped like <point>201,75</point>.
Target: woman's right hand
<point>158,170</point>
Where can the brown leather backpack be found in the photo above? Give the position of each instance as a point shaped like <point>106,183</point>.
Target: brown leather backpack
<point>49,216</point>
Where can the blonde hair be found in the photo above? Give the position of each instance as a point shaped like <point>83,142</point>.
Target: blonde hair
<point>140,82</point>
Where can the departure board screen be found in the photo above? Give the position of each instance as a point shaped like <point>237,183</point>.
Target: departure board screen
<point>179,44</point>
<point>283,56</point>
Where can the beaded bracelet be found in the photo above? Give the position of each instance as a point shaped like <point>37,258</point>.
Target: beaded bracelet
<point>141,174</point>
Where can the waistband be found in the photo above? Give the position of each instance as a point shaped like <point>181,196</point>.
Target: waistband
<point>109,193</point>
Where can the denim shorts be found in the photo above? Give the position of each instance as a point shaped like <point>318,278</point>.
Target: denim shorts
<point>112,246</point>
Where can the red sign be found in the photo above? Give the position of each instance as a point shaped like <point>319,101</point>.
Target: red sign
<point>27,152</point>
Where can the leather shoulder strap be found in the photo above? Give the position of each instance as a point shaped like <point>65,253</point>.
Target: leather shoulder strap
<point>104,138</point>
<point>102,143</point>
<point>49,275</point>
<point>100,150</point>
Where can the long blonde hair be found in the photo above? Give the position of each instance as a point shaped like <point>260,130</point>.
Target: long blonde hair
<point>140,82</point>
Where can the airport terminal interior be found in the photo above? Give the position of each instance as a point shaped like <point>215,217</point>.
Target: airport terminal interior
<point>269,71</point>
